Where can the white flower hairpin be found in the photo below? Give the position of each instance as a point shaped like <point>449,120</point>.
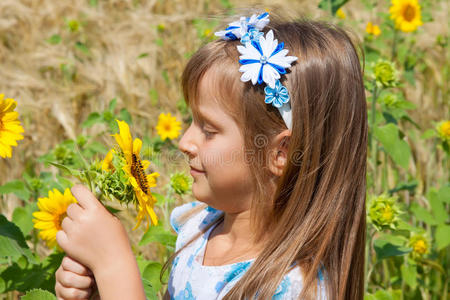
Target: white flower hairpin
<point>263,59</point>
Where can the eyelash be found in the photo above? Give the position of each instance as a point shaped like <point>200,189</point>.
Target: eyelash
<point>208,134</point>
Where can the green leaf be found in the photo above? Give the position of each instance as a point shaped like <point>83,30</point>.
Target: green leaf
<point>439,212</point>
<point>54,39</point>
<point>335,5</point>
<point>112,105</point>
<point>82,47</point>
<point>396,148</point>
<point>92,119</point>
<point>22,217</point>
<point>154,96</point>
<point>444,194</point>
<point>442,236</point>
<point>389,245</point>
<point>409,275</point>
<point>2,285</point>
<point>383,295</point>
<point>151,273</point>
<point>71,171</point>
<point>16,187</point>
<point>150,292</point>
<point>125,115</point>
<point>410,186</point>
<point>12,241</point>
<point>38,294</point>
<point>142,55</point>
<point>422,214</point>
<point>429,133</point>
<point>158,234</point>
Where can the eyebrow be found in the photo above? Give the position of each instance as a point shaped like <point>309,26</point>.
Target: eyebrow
<point>207,119</point>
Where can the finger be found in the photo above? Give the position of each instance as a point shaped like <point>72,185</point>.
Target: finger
<point>74,211</point>
<point>72,265</point>
<point>67,224</point>
<point>71,293</point>
<point>84,197</point>
<point>73,280</point>
<point>62,240</point>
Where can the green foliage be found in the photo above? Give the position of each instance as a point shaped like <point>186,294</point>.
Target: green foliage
<point>108,117</point>
<point>408,232</point>
<point>331,5</point>
<point>38,294</point>
<point>12,242</point>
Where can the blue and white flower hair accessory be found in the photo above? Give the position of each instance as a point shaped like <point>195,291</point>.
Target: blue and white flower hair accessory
<point>263,59</point>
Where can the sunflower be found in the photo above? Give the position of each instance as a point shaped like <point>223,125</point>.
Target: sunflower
<point>340,14</point>
<point>443,129</point>
<point>373,29</point>
<point>52,211</point>
<point>107,162</point>
<point>168,126</point>
<point>134,168</point>
<point>406,14</point>
<point>10,128</point>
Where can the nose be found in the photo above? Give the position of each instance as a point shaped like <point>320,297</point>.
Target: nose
<point>187,143</point>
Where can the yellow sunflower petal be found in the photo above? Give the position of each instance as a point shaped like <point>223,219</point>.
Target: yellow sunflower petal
<point>137,145</point>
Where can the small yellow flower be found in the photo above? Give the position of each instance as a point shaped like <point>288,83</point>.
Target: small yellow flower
<point>443,129</point>
<point>168,126</point>
<point>52,211</point>
<point>406,14</point>
<point>340,14</point>
<point>10,128</point>
<point>107,162</point>
<point>134,168</point>
<point>373,29</point>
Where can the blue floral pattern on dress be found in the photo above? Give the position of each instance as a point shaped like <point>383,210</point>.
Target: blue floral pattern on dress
<point>190,279</point>
<point>236,270</point>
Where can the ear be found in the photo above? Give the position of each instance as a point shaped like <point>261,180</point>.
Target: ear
<point>278,152</point>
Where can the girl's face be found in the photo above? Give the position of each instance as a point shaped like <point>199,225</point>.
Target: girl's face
<point>215,148</point>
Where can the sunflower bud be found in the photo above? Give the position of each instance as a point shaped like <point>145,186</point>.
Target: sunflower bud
<point>383,212</point>
<point>180,183</point>
<point>443,129</point>
<point>420,245</point>
<point>390,100</point>
<point>385,73</point>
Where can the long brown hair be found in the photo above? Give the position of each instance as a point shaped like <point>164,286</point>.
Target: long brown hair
<point>314,215</point>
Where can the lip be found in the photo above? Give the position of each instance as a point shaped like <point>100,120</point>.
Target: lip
<point>196,171</point>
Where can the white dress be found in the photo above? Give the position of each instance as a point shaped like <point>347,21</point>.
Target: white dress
<point>190,279</point>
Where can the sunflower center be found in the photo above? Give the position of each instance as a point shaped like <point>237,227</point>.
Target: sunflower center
<point>59,219</point>
<point>137,170</point>
<point>409,13</point>
<point>167,127</point>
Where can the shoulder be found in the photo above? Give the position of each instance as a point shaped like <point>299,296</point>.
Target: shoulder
<point>292,284</point>
<point>190,218</point>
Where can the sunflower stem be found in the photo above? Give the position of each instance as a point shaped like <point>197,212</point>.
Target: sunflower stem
<point>373,145</point>
<point>394,45</point>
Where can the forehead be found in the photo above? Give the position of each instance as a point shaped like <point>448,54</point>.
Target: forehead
<point>211,104</point>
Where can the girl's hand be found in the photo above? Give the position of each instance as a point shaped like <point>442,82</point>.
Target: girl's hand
<point>91,235</point>
<point>73,280</point>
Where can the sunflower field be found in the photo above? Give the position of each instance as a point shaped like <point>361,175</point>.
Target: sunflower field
<point>90,93</point>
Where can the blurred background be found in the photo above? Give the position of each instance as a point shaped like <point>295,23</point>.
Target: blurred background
<point>64,62</point>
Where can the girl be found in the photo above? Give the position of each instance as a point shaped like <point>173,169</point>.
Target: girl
<point>277,150</point>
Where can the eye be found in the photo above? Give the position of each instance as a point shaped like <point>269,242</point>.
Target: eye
<point>208,134</point>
